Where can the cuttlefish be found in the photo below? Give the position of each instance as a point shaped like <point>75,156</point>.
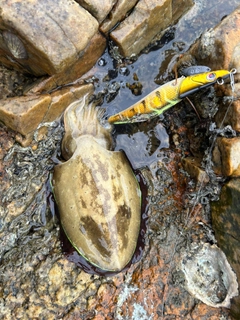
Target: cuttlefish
<point>96,191</point>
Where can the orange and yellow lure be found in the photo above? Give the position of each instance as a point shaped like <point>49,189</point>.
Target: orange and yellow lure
<point>167,95</point>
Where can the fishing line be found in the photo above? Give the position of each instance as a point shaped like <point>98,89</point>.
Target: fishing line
<point>207,167</point>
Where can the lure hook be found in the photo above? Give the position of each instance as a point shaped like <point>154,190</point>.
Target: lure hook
<point>220,81</point>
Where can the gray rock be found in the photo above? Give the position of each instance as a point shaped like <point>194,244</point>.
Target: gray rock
<point>208,275</point>
<point>216,46</point>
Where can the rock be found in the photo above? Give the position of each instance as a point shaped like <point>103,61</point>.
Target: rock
<point>229,110</point>
<point>219,48</point>
<point>99,9</point>
<point>229,107</point>
<point>208,275</point>
<point>147,19</point>
<point>235,62</point>
<point>24,114</point>
<point>37,279</point>
<point>216,46</point>
<point>92,52</point>
<point>179,7</point>
<point>12,82</point>
<point>226,224</point>
<point>193,167</point>
<point>117,14</point>
<point>61,99</point>
<point>47,42</point>
<point>226,156</point>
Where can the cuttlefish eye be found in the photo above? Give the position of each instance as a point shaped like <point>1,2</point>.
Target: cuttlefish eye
<point>211,76</point>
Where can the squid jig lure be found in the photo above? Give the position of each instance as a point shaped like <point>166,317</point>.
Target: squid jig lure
<point>169,94</point>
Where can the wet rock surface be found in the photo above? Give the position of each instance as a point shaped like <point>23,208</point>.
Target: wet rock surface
<point>43,44</point>
<point>217,45</point>
<point>118,13</point>
<point>193,167</point>
<point>220,47</point>
<point>147,19</point>
<point>225,217</point>
<point>143,21</point>
<point>72,49</point>
<point>38,280</point>
<point>230,116</point>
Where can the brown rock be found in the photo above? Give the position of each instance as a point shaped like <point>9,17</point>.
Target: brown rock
<point>44,37</point>
<point>24,114</point>
<point>229,111</point>
<point>99,9</point>
<point>193,167</point>
<point>92,52</point>
<point>226,224</point>
<point>235,59</point>
<point>117,14</point>
<point>226,156</point>
<point>63,98</point>
<point>179,7</point>
<point>137,30</point>
<point>147,19</point>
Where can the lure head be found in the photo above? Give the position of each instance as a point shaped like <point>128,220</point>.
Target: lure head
<point>197,82</point>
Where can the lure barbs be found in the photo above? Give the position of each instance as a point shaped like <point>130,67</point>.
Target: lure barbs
<point>166,96</point>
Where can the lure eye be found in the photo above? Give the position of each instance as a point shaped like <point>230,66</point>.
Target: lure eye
<point>211,76</point>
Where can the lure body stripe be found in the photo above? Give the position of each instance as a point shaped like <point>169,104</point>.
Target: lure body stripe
<point>153,104</point>
<point>166,96</point>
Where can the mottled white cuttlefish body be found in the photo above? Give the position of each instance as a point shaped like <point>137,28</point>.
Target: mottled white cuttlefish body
<point>97,194</point>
